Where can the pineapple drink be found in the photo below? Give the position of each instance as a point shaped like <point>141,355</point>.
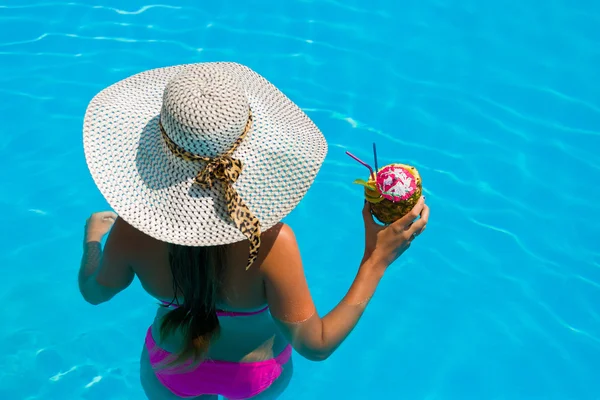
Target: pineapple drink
<point>393,191</point>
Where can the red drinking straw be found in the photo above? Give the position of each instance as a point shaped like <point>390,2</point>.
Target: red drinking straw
<point>363,163</point>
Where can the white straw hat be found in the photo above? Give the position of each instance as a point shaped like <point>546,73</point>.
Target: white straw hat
<point>201,154</point>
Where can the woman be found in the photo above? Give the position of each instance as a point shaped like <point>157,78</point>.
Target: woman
<point>201,162</point>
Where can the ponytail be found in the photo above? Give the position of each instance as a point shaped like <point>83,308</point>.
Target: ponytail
<point>196,277</point>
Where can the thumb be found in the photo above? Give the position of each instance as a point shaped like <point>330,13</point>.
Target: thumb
<point>367,216</point>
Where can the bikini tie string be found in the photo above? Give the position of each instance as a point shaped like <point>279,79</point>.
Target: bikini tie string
<point>225,169</point>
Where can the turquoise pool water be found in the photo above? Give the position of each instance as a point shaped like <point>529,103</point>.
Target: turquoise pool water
<point>496,103</point>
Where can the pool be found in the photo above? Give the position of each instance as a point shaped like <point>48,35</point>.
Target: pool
<point>496,103</point>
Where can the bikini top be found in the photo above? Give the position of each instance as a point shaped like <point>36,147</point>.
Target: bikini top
<point>223,313</point>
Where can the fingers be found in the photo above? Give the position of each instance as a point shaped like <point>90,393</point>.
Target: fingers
<point>419,226</point>
<point>409,218</point>
<point>106,215</point>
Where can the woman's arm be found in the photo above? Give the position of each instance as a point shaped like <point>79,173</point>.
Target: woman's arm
<point>103,274</point>
<point>290,300</point>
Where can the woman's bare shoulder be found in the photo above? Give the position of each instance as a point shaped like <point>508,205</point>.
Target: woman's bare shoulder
<point>279,235</point>
<point>129,238</point>
<point>280,246</point>
<point>124,229</point>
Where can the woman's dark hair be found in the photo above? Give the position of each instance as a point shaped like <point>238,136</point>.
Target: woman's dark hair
<point>196,277</point>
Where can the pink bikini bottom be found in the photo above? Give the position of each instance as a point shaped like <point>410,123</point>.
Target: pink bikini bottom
<point>229,379</point>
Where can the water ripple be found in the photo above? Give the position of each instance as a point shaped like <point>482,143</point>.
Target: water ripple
<point>27,95</point>
<point>362,11</point>
<point>453,177</point>
<point>501,124</point>
<point>334,47</point>
<point>106,25</point>
<point>23,247</point>
<point>450,262</point>
<point>41,37</point>
<point>363,126</point>
<point>138,11</point>
<point>504,327</point>
<point>107,38</point>
<point>534,325</point>
<point>116,10</point>
<point>517,240</point>
<point>561,322</point>
<point>578,153</point>
<point>39,54</point>
<point>542,122</point>
<point>562,96</point>
<point>588,281</point>
<point>509,110</point>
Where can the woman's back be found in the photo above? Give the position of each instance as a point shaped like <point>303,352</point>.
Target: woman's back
<point>241,292</point>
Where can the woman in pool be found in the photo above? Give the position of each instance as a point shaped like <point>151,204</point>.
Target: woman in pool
<point>201,162</point>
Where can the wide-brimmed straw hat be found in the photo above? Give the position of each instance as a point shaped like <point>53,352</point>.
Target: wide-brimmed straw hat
<point>201,154</point>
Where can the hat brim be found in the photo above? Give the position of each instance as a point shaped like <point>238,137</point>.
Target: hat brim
<point>155,192</point>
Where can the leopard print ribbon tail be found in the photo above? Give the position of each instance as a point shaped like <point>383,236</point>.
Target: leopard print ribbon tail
<point>246,222</point>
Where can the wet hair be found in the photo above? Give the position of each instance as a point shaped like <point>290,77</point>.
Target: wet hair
<point>196,275</point>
